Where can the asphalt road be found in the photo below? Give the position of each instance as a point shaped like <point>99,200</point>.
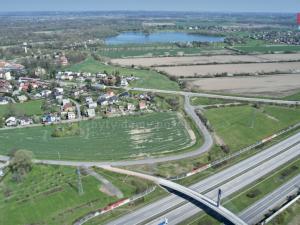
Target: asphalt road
<point>255,213</point>
<point>230,180</point>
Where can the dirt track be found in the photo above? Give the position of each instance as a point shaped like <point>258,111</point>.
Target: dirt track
<point>271,85</point>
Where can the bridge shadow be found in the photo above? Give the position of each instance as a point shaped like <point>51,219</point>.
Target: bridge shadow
<point>205,208</point>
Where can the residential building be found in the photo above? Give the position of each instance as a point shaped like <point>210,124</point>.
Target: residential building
<point>71,116</point>
<point>22,98</point>
<point>90,113</point>
<point>11,121</point>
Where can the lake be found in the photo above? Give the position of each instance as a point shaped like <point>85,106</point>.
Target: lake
<point>159,37</point>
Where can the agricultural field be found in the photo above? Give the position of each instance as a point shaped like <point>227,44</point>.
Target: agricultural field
<point>104,139</point>
<point>210,59</point>
<point>242,126</point>
<point>263,85</point>
<point>268,48</point>
<point>26,108</point>
<point>159,50</point>
<point>148,79</point>
<point>232,69</point>
<point>49,195</point>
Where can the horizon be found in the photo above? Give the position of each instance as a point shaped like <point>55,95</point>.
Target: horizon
<point>231,6</point>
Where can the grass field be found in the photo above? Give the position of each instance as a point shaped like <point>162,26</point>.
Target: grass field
<point>268,48</point>
<point>49,195</point>
<point>148,79</point>
<point>208,101</point>
<point>103,139</point>
<point>244,125</point>
<point>27,108</point>
<point>156,52</point>
<point>294,97</point>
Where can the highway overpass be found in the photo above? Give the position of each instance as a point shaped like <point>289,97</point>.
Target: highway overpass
<point>219,212</point>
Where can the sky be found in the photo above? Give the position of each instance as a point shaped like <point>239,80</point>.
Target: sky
<point>152,5</point>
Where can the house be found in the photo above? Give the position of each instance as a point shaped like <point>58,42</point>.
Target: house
<point>110,93</point>
<point>80,79</point>
<point>22,98</point>
<point>68,107</point>
<point>113,100</point>
<point>58,91</point>
<point>11,121</point>
<point>99,86</point>
<point>142,105</point>
<point>59,98</point>
<point>92,105</point>
<point>25,121</point>
<point>71,116</point>
<point>124,95</point>
<point>124,83</point>
<point>5,75</point>
<point>50,118</point>
<point>89,100</point>
<point>131,107</point>
<point>65,101</point>
<point>90,113</point>
<point>3,101</point>
<point>46,93</point>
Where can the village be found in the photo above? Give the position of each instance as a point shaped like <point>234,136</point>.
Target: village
<point>71,96</point>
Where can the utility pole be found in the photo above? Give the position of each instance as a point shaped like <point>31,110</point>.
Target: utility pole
<point>219,198</point>
<point>80,187</point>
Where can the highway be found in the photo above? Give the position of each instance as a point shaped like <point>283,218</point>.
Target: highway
<point>255,213</point>
<point>230,180</point>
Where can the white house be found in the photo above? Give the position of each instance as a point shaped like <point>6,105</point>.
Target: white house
<point>124,82</point>
<point>89,100</point>
<point>25,121</point>
<point>11,121</point>
<point>92,105</point>
<point>3,101</point>
<point>90,113</point>
<point>71,116</point>
<point>22,98</point>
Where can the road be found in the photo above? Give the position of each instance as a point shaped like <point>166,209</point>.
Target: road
<point>230,180</point>
<point>256,212</point>
<point>235,98</point>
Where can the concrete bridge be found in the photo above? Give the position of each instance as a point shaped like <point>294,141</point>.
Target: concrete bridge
<point>208,205</point>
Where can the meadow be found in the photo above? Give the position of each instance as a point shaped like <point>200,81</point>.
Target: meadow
<point>26,108</point>
<point>147,78</point>
<point>103,139</point>
<point>242,126</point>
<point>49,195</point>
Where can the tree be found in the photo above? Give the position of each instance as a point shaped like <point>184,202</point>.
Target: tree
<point>20,164</point>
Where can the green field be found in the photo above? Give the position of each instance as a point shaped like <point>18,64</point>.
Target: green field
<point>148,79</point>
<point>268,48</point>
<point>208,101</point>
<point>244,125</point>
<point>49,195</point>
<point>103,139</point>
<point>294,97</point>
<point>155,52</point>
<point>26,108</point>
